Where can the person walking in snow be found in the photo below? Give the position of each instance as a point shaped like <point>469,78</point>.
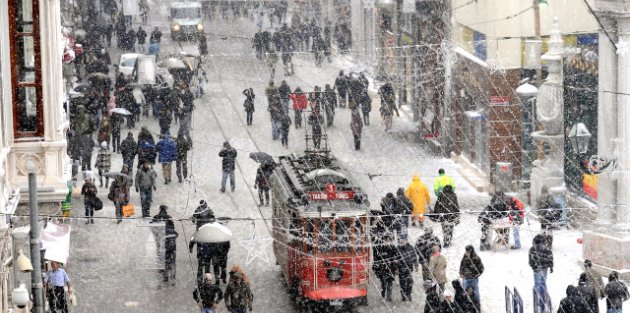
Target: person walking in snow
<point>405,207</point>
<point>470,268</point>
<point>229,164</point>
<point>300,102</point>
<point>616,293</point>
<point>341,84</point>
<point>330,102</point>
<point>587,292</point>
<point>145,185</point>
<point>262,184</point>
<point>248,104</point>
<point>238,294</point>
<point>594,279</point>
<point>442,181</point>
<point>407,263</point>
<point>437,267</point>
<point>167,149</point>
<point>103,163</point>
<point>170,244</point>
<point>424,248</point>
<point>446,212</point>
<point>541,262</point>
<point>384,265</point>
<point>419,195</point>
<point>285,126</point>
<point>184,144</point>
<point>315,120</point>
<point>207,295</point>
<point>88,191</point>
<point>356,124</point>
<point>128,149</point>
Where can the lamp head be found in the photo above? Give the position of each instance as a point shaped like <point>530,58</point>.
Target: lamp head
<point>23,262</point>
<point>579,137</point>
<point>20,296</point>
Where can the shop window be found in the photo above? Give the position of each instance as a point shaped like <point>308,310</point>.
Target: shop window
<point>25,55</point>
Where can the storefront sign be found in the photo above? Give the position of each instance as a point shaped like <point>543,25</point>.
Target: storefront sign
<point>589,185</point>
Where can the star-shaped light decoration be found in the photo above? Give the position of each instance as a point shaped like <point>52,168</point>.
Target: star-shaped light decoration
<point>497,66</point>
<point>256,247</point>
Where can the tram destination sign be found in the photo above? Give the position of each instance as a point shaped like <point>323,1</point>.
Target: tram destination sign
<point>338,195</point>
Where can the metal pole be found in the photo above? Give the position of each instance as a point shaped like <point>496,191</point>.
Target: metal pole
<point>14,256</point>
<point>537,35</point>
<point>36,274</point>
<point>447,132</point>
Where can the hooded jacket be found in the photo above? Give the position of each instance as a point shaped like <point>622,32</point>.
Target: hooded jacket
<point>540,256</point>
<point>418,193</point>
<point>442,181</point>
<point>616,293</point>
<point>167,147</point>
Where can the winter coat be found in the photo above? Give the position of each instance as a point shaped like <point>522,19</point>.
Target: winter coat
<point>419,195</point>
<point>238,296</point>
<point>596,281</point>
<point>442,181</point>
<point>471,266</point>
<point>261,180</point>
<point>146,152</point>
<point>517,213</point>
<point>356,123</point>
<point>388,206</point>
<point>119,190</point>
<point>315,120</point>
<point>128,148</point>
<point>284,91</point>
<point>550,213</point>
<point>170,238</point>
<point>463,302</point>
<point>587,292</point>
<point>221,249</point>
<point>448,206</point>
<point>229,159</point>
<point>573,302</point>
<point>404,204</point>
<point>300,101</point>
<point>272,58</point>
<point>424,244</point>
<point>103,160</point>
<point>145,179</point>
<point>167,148</point>
<point>88,191</point>
<point>437,267</point>
<point>104,132</point>
<point>384,266</point>
<point>407,259</point>
<point>432,301</point>
<point>184,144</point>
<point>341,84</point>
<point>208,295</point>
<point>142,36</point>
<point>248,104</point>
<point>540,256</point>
<point>616,293</point>
<point>496,210</point>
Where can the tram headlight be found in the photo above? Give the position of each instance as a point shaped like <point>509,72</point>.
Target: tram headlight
<point>176,27</point>
<point>334,274</point>
<point>199,27</point>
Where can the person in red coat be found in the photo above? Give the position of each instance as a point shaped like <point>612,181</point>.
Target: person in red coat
<point>299,103</point>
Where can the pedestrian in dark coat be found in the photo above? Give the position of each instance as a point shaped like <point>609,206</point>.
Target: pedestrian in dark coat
<point>587,292</point>
<point>407,263</point>
<point>184,144</point>
<point>384,265</point>
<point>594,279</point>
<point>315,120</point>
<point>89,198</point>
<point>573,302</point>
<point>496,210</point>
<point>432,303</point>
<point>262,184</point>
<point>284,92</point>
<point>207,294</point>
<point>131,40</point>
<point>330,102</point>
<point>470,268</point>
<point>405,207</point>
<point>285,126</point>
<point>341,84</point>
<point>463,302</point>
<point>142,38</point>
<point>128,150</point>
<point>145,185</point>
<point>222,250</point>
<point>356,124</point>
<point>116,120</point>
<point>541,261</point>
<point>165,119</point>
<point>447,211</point>
<point>109,31</point>
<point>248,104</point>
<point>616,293</point>
<point>229,163</point>
<point>170,245</point>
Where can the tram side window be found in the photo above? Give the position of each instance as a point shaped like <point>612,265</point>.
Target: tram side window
<point>358,234</point>
<point>342,235</point>
<point>324,236</point>
<point>309,237</point>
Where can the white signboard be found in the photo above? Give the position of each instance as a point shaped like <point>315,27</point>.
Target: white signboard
<point>56,241</point>
<point>145,68</point>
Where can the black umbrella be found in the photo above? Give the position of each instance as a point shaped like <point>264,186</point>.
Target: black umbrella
<point>261,157</point>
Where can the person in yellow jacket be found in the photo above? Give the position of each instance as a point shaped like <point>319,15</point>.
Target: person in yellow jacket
<point>419,195</point>
<point>442,181</point>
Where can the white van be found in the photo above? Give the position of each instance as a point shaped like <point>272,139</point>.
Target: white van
<point>186,20</point>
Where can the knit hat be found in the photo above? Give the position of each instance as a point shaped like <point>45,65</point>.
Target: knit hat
<point>104,144</point>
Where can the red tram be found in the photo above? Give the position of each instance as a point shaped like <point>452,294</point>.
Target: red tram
<point>320,230</point>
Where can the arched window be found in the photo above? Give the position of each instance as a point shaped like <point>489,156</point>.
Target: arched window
<point>28,114</point>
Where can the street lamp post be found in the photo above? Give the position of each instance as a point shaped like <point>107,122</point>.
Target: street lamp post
<point>36,274</point>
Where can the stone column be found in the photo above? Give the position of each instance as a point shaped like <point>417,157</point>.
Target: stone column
<point>607,243</point>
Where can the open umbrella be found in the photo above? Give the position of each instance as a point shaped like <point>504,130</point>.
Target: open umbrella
<point>261,157</point>
<point>172,63</point>
<point>114,174</point>
<point>212,232</point>
<point>120,111</point>
<point>80,32</point>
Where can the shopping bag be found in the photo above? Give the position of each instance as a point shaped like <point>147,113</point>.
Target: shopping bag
<point>128,210</point>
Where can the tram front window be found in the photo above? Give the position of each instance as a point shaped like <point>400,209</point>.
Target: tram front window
<point>324,236</point>
<point>342,236</point>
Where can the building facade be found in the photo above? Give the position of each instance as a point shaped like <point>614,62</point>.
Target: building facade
<point>32,120</point>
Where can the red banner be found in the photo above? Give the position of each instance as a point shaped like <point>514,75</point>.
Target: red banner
<point>324,195</point>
